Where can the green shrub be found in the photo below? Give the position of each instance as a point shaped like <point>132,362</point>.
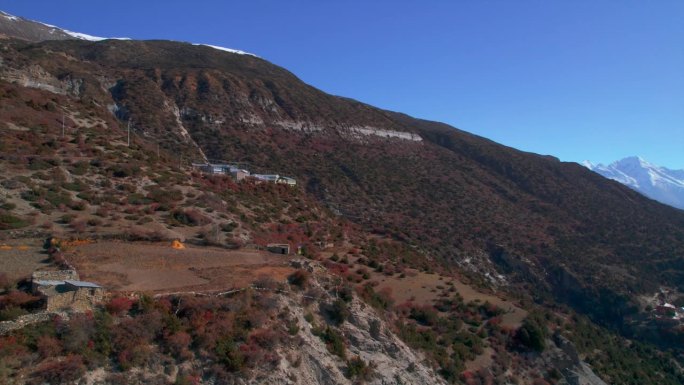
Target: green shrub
<point>11,313</point>
<point>30,195</point>
<point>8,206</point>
<point>309,317</point>
<point>379,300</point>
<point>292,328</point>
<point>229,355</point>
<point>164,196</point>
<point>75,186</point>
<point>335,342</point>
<point>57,198</point>
<point>228,226</point>
<point>299,278</point>
<point>338,311</point>
<point>80,168</point>
<point>357,368</point>
<point>532,334</point>
<point>8,221</point>
<point>425,315</point>
<point>189,217</point>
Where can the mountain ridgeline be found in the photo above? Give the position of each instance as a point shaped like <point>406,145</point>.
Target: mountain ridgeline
<point>554,229</point>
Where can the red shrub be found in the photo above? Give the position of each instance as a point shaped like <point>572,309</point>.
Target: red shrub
<point>178,344</point>
<point>68,369</point>
<point>48,346</point>
<point>337,268</point>
<point>119,305</point>
<point>252,353</point>
<point>199,320</point>
<point>136,356</point>
<point>179,340</point>
<point>10,347</point>
<point>17,298</point>
<point>265,338</point>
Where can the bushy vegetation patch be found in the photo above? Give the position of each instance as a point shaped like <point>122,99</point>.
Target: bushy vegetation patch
<point>239,333</point>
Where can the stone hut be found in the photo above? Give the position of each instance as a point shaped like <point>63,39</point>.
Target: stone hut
<point>63,291</point>
<point>278,248</point>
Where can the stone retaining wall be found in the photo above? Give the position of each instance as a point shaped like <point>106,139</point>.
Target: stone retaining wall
<point>29,319</point>
<point>55,275</point>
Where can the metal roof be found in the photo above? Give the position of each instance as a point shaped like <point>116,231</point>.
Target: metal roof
<point>82,284</point>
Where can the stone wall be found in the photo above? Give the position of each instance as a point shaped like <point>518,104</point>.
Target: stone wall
<point>80,300</point>
<point>55,275</point>
<point>28,319</point>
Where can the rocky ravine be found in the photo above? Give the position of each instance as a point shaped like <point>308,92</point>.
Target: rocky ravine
<point>393,361</point>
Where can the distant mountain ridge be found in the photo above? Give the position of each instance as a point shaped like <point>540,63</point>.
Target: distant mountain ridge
<point>16,27</point>
<point>656,182</point>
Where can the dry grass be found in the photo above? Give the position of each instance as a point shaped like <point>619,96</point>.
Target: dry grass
<point>20,258</point>
<point>421,288</point>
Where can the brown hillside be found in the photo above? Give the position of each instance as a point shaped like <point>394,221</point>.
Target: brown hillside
<point>568,232</point>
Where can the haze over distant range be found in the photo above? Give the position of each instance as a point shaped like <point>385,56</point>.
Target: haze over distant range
<point>580,80</point>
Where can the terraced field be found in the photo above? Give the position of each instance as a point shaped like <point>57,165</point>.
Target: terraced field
<point>157,267</point>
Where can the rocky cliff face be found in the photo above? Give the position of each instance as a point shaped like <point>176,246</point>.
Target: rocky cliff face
<point>390,360</point>
<point>564,357</point>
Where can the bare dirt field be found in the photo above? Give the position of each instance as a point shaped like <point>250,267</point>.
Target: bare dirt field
<point>19,258</point>
<point>157,267</point>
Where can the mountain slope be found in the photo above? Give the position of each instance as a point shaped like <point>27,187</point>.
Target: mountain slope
<point>658,183</point>
<point>476,205</point>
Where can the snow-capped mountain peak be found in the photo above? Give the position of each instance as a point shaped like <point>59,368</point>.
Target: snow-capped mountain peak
<point>658,183</point>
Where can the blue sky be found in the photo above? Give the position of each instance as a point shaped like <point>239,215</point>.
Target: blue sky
<point>581,79</point>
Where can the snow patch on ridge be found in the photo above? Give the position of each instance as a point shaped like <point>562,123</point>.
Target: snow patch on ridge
<point>54,28</point>
<point>8,16</point>
<point>231,50</point>
<point>84,36</point>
